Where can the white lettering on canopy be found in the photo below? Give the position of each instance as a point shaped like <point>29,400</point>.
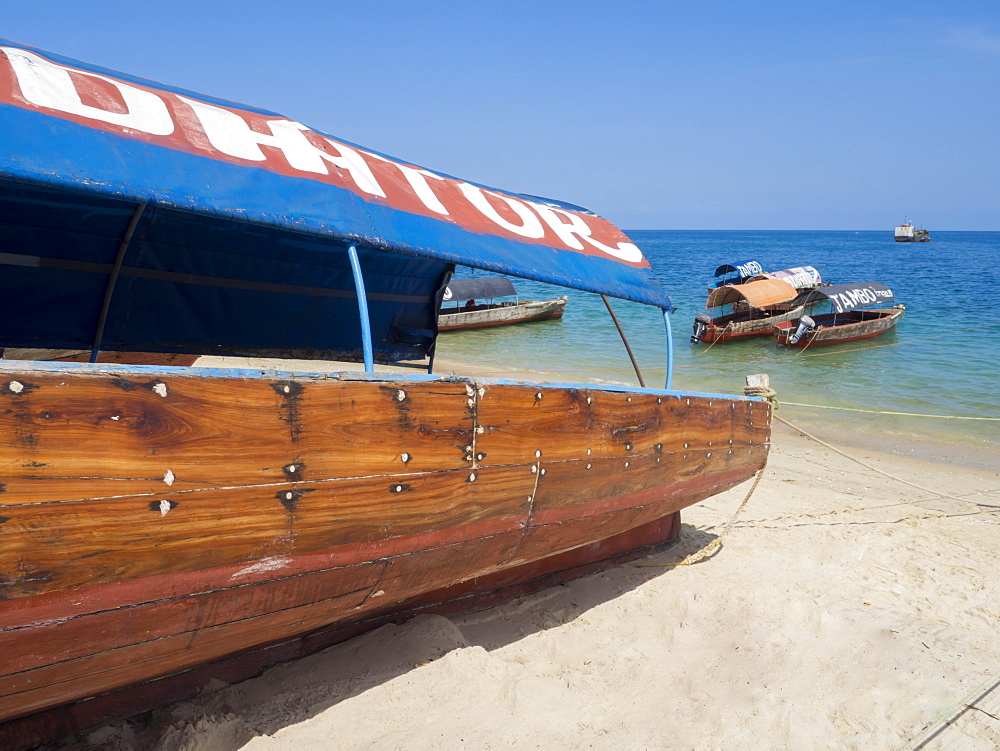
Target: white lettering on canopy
<point>230,134</point>
<point>529,227</point>
<point>569,227</point>
<point>356,167</point>
<point>49,85</point>
<point>417,180</point>
<point>802,279</point>
<point>854,298</point>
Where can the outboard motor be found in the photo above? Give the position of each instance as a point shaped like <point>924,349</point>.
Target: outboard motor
<point>701,322</point>
<point>806,324</point>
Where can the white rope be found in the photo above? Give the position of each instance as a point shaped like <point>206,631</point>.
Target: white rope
<point>902,414</point>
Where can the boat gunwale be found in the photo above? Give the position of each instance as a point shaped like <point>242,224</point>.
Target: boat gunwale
<point>262,374</point>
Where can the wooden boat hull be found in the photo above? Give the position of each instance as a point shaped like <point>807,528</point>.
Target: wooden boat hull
<point>502,315</point>
<point>850,327</point>
<point>155,520</point>
<point>726,328</point>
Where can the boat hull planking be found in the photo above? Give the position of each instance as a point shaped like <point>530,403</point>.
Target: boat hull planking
<point>727,328</point>
<point>502,315</point>
<point>850,327</point>
<point>155,520</point>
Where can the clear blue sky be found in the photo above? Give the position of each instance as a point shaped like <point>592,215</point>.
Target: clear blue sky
<point>657,115</point>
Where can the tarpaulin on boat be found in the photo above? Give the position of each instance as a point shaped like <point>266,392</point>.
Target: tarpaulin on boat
<point>759,294</point>
<point>852,296</point>
<point>799,276</point>
<point>738,272</point>
<point>175,222</point>
<point>466,289</point>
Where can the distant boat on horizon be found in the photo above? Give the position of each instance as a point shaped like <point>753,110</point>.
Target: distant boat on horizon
<point>905,233</point>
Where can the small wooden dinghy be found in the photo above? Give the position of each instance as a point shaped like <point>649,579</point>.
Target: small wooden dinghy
<point>751,307</point>
<point>745,310</point>
<point>456,315</point>
<point>161,527</point>
<point>852,317</point>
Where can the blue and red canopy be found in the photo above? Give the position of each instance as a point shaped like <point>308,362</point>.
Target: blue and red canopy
<point>237,223</point>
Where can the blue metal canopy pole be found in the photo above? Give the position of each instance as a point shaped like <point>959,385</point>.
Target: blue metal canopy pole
<point>670,348</point>
<point>366,329</point>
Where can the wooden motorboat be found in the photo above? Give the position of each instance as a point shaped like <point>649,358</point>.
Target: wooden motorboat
<point>745,310</point>
<point>468,313</point>
<point>163,527</point>
<point>852,316</point>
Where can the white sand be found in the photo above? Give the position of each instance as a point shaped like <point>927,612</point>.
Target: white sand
<point>844,610</point>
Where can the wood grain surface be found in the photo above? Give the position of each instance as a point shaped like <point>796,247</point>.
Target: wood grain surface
<point>155,520</point>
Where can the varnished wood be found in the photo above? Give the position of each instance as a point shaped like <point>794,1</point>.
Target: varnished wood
<point>832,328</point>
<point>477,593</point>
<point>70,437</point>
<point>153,521</point>
<point>69,543</point>
<point>574,424</point>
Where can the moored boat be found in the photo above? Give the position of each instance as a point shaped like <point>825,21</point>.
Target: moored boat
<point>745,310</point>
<point>852,316</point>
<point>163,527</point>
<point>907,233</point>
<point>473,315</point>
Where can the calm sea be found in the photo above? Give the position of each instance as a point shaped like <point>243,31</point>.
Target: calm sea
<point>943,359</point>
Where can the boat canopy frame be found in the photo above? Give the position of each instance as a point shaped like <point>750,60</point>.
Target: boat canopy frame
<point>759,294</point>
<point>851,296</point>
<point>138,226</point>
<point>736,273</point>
<point>483,287</point>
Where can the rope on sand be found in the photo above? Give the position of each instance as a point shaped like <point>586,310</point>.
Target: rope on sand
<point>980,693</point>
<point>700,555</point>
<point>873,468</point>
<point>770,395</point>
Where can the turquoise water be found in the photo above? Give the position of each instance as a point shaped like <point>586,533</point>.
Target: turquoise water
<point>941,360</point>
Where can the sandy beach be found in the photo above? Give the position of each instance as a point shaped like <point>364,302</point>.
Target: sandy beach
<point>843,609</point>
